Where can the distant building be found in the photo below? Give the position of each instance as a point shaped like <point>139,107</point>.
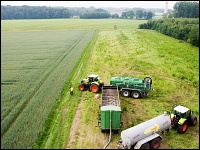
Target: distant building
<point>166,7</point>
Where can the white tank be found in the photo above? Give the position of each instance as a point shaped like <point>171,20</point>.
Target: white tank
<point>132,135</point>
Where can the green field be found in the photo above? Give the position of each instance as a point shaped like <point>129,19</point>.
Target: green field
<point>35,77</point>
<point>34,69</point>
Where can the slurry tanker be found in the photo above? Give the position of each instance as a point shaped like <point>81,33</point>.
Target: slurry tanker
<point>132,87</point>
<point>144,135</point>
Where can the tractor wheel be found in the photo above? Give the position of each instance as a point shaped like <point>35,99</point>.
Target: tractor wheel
<point>182,128</point>
<point>136,94</point>
<point>126,93</point>
<point>94,88</point>
<point>145,146</point>
<point>81,87</point>
<point>193,120</point>
<point>155,143</point>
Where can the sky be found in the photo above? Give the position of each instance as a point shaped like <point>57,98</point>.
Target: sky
<point>96,4</point>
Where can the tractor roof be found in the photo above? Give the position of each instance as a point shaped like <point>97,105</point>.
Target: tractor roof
<point>93,75</point>
<point>181,109</point>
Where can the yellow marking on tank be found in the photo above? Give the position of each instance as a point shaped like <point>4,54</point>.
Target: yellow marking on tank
<point>153,128</point>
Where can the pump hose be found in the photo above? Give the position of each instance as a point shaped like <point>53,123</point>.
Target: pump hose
<point>110,132</point>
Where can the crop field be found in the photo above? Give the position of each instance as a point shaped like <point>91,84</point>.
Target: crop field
<point>34,69</point>
<point>40,59</point>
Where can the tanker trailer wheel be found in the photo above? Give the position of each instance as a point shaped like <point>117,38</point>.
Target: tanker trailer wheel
<point>81,87</point>
<point>94,88</point>
<point>126,93</point>
<point>136,94</point>
<point>103,131</point>
<point>145,146</point>
<point>182,128</point>
<point>116,131</point>
<point>193,120</point>
<point>155,143</point>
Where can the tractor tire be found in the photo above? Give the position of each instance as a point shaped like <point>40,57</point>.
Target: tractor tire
<point>125,93</point>
<point>145,146</point>
<point>81,87</point>
<point>182,128</point>
<point>94,88</point>
<point>155,144</point>
<point>193,120</point>
<point>136,94</point>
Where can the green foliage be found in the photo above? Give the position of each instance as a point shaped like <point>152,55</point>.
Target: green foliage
<point>95,14</point>
<point>186,9</point>
<point>185,29</point>
<point>34,12</point>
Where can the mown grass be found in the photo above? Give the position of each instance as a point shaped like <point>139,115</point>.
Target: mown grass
<point>173,66</point>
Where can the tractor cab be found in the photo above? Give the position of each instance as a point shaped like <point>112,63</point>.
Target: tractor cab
<point>93,78</point>
<point>181,112</point>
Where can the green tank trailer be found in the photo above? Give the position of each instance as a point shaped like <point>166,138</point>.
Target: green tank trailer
<point>132,87</point>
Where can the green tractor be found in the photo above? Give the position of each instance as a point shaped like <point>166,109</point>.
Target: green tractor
<point>92,83</point>
<point>181,118</point>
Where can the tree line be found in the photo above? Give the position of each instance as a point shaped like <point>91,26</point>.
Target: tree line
<point>95,14</point>
<point>186,9</point>
<point>186,29</point>
<point>138,14</point>
<point>9,12</point>
<point>182,24</point>
<point>33,12</point>
<point>182,9</point>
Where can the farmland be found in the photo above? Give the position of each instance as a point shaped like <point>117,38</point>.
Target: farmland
<point>35,66</point>
<point>36,74</point>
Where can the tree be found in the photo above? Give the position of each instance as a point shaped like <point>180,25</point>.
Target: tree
<point>124,15</point>
<point>186,9</point>
<point>139,14</point>
<point>115,15</point>
<point>149,15</point>
<point>130,14</point>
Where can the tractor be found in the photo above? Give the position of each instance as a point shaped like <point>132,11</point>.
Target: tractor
<point>92,83</point>
<point>181,118</point>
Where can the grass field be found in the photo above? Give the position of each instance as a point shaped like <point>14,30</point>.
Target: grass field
<point>173,65</point>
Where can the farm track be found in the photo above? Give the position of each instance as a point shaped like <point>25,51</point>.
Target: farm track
<point>26,98</point>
